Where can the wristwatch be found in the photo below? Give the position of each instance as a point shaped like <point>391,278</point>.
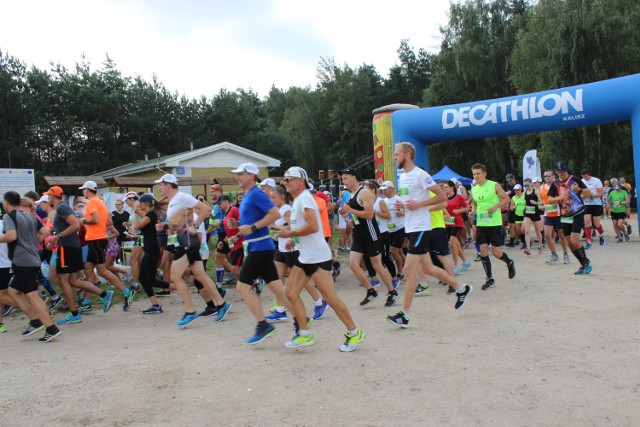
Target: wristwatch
<point>254,228</point>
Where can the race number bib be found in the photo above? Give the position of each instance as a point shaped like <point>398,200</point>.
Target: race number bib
<point>450,221</point>
<point>172,240</point>
<point>391,225</point>
<point>404,193</point>
<point>530,209</point>
<point>566,220</point>
<point>484,216</point>
<point>355,219</point>
<point>551,208</point>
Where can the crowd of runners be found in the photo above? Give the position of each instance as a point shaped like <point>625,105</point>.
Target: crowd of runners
<point>278,236</point>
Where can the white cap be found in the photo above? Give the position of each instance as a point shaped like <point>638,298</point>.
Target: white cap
<point>268,181</point>
<point>537,179</point>
<point>517,187</point>
<point>91,185</point>
<point>455,180</point>
<point>167,177</point>
<point>248,168</point>
<point>43,199</point>
<point>387,184</point>
<point>131,194</point>
<point>298,172</point>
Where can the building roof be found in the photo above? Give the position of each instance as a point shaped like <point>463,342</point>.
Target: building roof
<point>175,160</point>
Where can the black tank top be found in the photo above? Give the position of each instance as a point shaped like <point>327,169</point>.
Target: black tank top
<point>529,198</point>
<point>365,229</point>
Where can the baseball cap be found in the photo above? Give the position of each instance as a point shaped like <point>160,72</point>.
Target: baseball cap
<point>225,198</point>
<point>617,186</point>
<point>167,177</point>
<point>455,180</point>
<point>43,199</point>
<point>562,166</point>
<point>387,184</point>
<point>248,168</point>
<point>55,191</point>
<point>298,172</point>
<point>147,198</point>
<point>348,171</point>
<point>537,179</point>
<point>268,181</point>
<point>509,177</point>
<point>131,194</point>
<point>90,185</point>
<point>517,187</point>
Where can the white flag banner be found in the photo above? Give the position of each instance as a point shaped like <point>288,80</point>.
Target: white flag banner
<point>531,165</point>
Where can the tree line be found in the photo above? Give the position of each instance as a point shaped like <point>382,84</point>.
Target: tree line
<point>80,121</point>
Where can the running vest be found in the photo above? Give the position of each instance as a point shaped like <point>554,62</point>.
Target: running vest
<point>531,208</point>
<point>365,229</point>
<point>485,197</point>
<point>520,203</point>
<point>437,217</point>
<point>549,210</point>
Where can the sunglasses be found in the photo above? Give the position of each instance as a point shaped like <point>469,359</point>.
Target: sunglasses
<point>289,179</point>
<point>548,176</point>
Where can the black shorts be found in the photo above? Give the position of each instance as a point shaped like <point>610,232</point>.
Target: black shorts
<point>575,226</point>
<point>518,219</point>
<point>593,210</point>
<point>162,238</point>
<point>25,279</point>
<point>419,242</point>
<point>465,217</point>
<point>439,243</point>
<point>490,235</point>
<point>310,269</point>
<point>97,251</point>
<point>258,264</point>
<point>5,277</point>
<point>454,231</point>
<point>193,254</point>
<point>237,257</point>
<point>535,217</point>
<point>618,216</point>
<point>511,217</point>
<point>223,247</point>
<point>553,221</point>
<point>289,258</point>
<point>397,238</point>
<point>369,248</point>
<point>69,260</point>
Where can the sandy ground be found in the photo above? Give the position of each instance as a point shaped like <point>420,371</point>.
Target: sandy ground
<point>546,348</point>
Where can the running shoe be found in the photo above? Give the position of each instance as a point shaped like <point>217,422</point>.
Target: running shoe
<point>565,258</point>
<point>208,311</point>
<point>391,298</point>
<point>276,316</point>
<point>422,289</point>
<point>128,301</point>
<point>456,271</point>
<point>462,296</point>
<point>371,295</point>
<point>527,251</point>
<point>262,333</point>
<point>352,341</point>
<point>588,245</point>
<point>84,308</point>
<point>222,292</point>
<point>395,283</point>
<point>134,288</point>
<point>7,310</point>
<point>335,269</point>
<point>398,319</point>
<point>400,276</point>
<point>259,285</point>
<point>70,319</point>
<point>602,240</point>
<point>222,311</point>
<point>584,270</point>
<point>154,309</point>
<point>477,258</point>
<point>187,318</point>
<point>619,240</point>
<point>629,229</point>
<point>163,293</point>
<point>512,269</point>
<point>466,265</point>
<point>50,337</point>
<point>227,278</point>
<point>296,328</point>
<point>374,282</point>
<point>540,250</point>
<point>553,258</point>
<point>2,328</point>
<point>523,246</point>
<point>300,341</point>
<point>490,283</point>
<point>32,329</point>
<point>319,310</point>
<point>106,301</point>
<point>451,291</point>
<point>55,302</point>
<point>626,237</point>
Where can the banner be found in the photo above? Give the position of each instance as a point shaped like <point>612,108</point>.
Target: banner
<point>531,165</point>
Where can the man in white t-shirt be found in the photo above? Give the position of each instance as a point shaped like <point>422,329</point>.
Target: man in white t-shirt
<point>184,242</point>
<point>314,262</point>
<point>414,186</point>
<point>593,207</point>
<point>395,224</point>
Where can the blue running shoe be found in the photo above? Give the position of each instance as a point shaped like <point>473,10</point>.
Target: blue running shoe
<point>154,309</point>
<point>276,316</point>
<point>602,240</point>
<point>584,270</point>
<point>374,282</point>
<point>222,292</point>
<point>456,271</point>
<point>70,319</point>
<point>222,312</point>
<point>262,333</point>
<point>106,301</point>
<point>395,283</point>
<point>588,246</point>
<point>187,318</point>
<point>466,265</point>
<point>319,310</point>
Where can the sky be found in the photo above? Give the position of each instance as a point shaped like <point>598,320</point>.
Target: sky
<point>197,48</point>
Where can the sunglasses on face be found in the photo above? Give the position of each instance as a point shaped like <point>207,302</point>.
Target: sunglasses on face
<point>289,179</point>
<point>548,176</point>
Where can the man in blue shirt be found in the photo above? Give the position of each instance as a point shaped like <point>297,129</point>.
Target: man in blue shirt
<point>257,213</point>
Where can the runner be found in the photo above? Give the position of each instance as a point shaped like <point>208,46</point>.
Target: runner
<point>414,185</point>
<point>568,193</point>
<point>395,225</point>
<point>456,207</point>
<point>533,200</point>
<point>618,199</point>
<point>314,262</point>
<point>489,198</point>
<point>552,220</point>
<point>593,207</point>
<point>185,245</point>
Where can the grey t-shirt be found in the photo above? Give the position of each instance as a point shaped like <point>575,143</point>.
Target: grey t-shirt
<point>63,210</point>
<point>26,253</point>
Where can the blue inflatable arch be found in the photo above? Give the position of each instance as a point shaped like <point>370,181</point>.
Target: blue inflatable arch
<point>576,106</point>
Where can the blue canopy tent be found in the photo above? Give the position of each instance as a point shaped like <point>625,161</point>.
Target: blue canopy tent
<point>446,174</point>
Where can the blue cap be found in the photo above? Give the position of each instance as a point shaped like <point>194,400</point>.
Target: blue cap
<point>147,198</point>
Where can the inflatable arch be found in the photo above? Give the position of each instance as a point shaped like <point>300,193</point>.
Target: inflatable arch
<point>576,106</point>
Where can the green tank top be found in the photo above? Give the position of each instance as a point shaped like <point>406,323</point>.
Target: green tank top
<point>437,217</point>
<point>520,204</point>
<point>485,197</point>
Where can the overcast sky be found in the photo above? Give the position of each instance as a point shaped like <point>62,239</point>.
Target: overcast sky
<point>199,47</point>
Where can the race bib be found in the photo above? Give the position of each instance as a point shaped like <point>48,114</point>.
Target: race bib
<point>172,240</point>
<point>566,220</point>
<point>391,225</point>
<point>551,208</point>
<point>530,209</point>
<point>355,219</point>
<point>404,193</point>
<point>450,221</point>
<point>484,216</point>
